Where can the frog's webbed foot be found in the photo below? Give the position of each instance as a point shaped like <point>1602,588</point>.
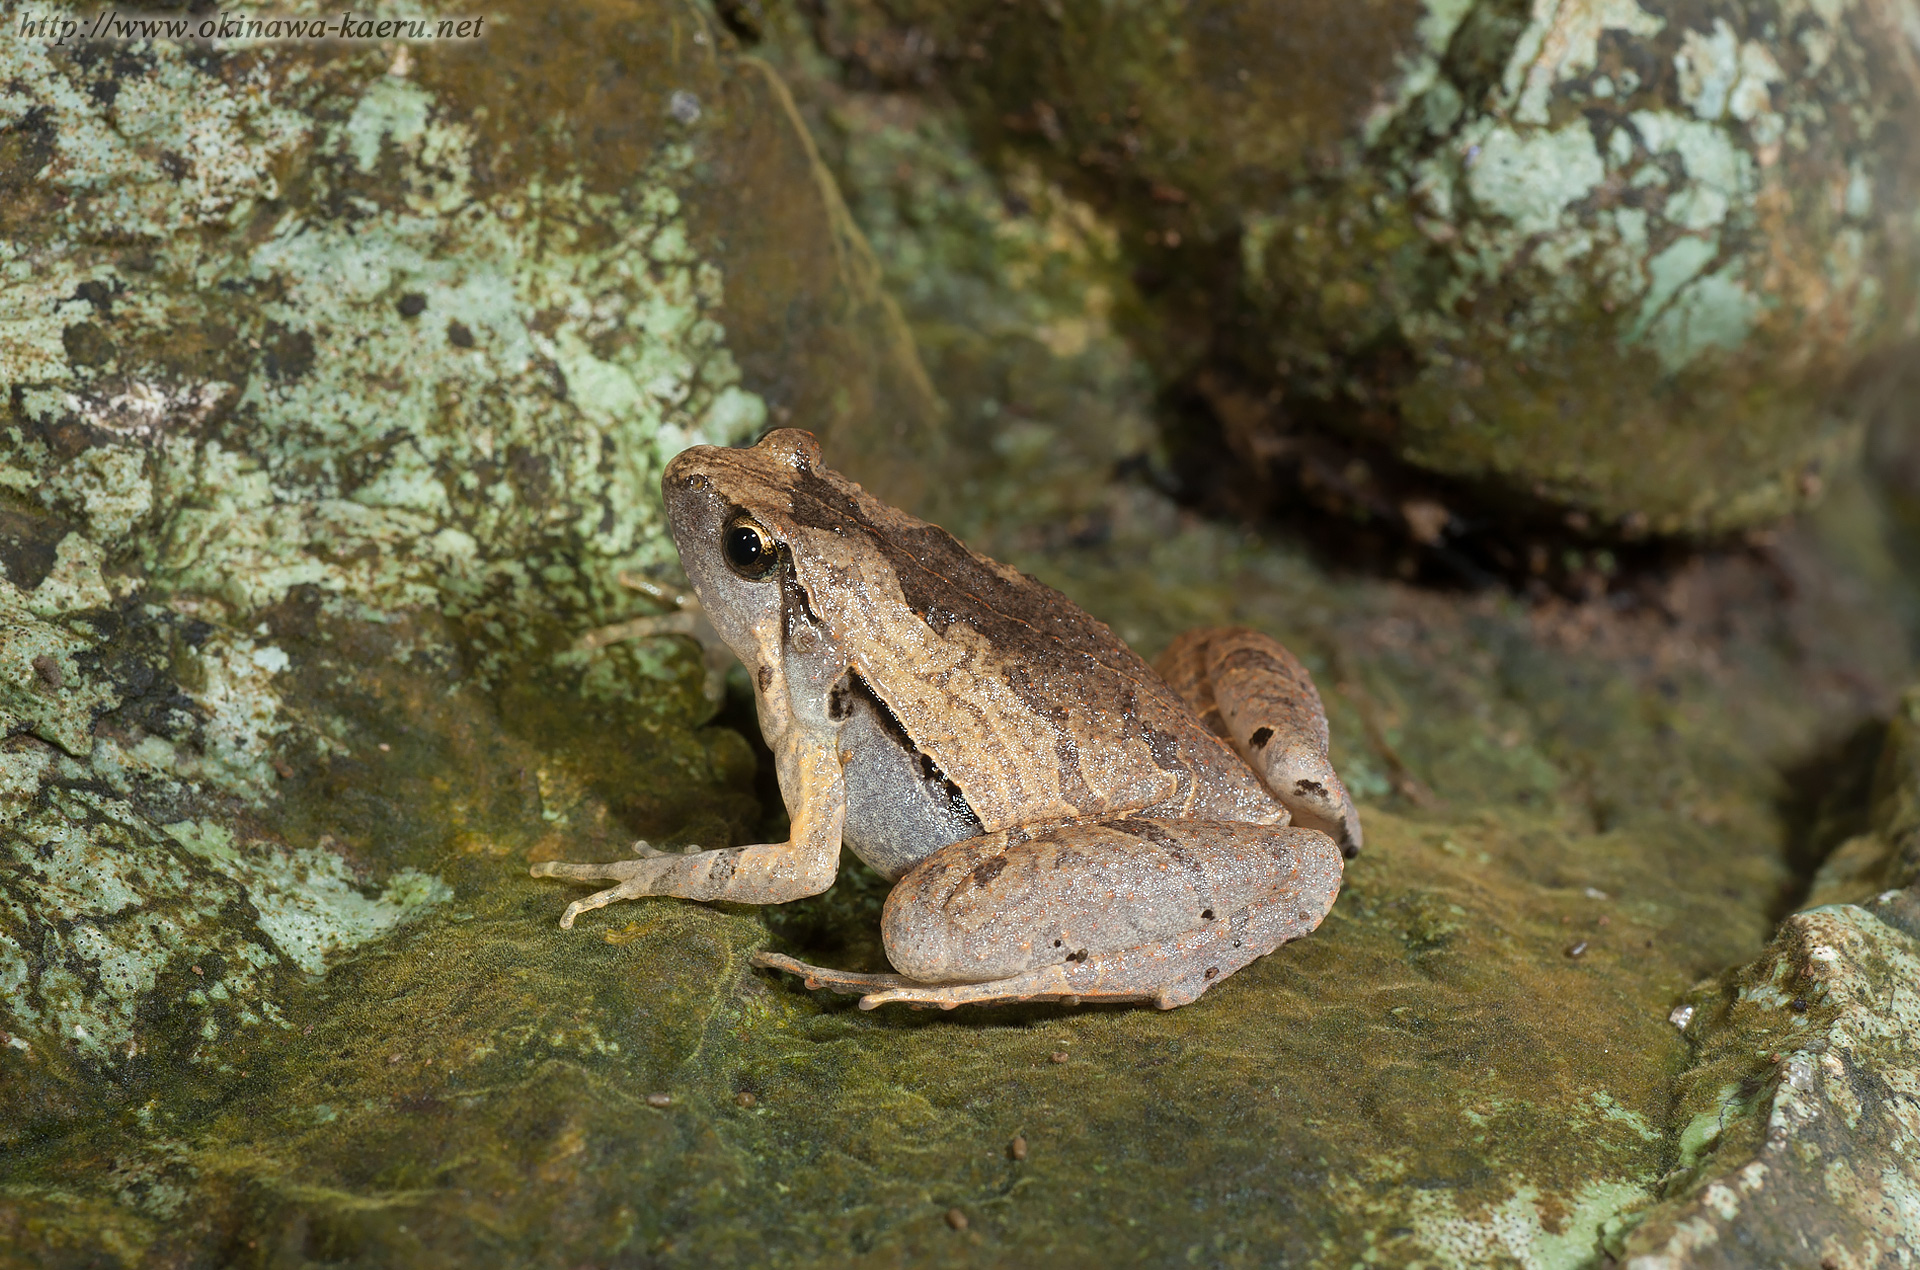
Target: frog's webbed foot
<point>878,990</point>
<point>767,873</point>
<point>771,873</point>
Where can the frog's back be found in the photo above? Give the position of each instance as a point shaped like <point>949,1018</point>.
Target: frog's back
<point>1031,706</point>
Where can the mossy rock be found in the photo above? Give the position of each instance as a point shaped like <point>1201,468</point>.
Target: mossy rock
<point>339,378</point>
<point>1796,1136</point>
<point>1644,262</point>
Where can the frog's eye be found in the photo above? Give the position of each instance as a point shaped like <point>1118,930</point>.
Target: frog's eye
<point>750,550</point>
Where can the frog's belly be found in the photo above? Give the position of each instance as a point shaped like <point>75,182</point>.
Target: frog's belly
<point>900,809</point>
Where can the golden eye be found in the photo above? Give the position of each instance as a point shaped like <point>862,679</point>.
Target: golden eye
<point>750,550</point>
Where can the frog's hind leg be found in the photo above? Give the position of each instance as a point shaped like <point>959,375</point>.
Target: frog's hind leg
<point>1251,691</point>
<point>1184,667</point>
<point>1125,910</point>
<point>1168,973</point>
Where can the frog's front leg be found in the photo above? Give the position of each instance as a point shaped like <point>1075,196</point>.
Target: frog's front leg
<point>1124,909</point>
<point>771,873</point>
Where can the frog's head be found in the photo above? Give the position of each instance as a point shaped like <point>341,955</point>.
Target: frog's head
<point>732,519</point>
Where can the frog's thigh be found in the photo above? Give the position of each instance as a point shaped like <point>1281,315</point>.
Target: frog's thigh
<point>1123,909</point>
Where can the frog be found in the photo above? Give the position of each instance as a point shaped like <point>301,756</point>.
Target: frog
<point>1060,821</point>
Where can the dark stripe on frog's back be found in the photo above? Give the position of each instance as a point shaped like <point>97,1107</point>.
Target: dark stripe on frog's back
<point>1031,624</point>
<point>943,581</point>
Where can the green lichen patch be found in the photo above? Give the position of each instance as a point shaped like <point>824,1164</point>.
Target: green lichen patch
<point>44,691</point>
<point>122,954</point>
<point>306,900</point>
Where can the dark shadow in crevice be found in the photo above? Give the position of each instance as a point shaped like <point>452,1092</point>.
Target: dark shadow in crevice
<point>1827,800</point>
<point>1234,452</point>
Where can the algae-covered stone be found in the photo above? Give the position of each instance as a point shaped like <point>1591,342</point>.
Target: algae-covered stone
<point>1631,258</point>
<point>1801,1143</point>
<point>339,378</point>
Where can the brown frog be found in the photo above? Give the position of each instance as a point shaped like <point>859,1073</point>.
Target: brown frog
<point>1060,821</point>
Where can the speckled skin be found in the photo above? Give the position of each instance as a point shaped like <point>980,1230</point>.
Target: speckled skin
<point>1063,822</point>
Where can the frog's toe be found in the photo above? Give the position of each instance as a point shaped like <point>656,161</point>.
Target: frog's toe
<point>912,998</point>
<point>631,889</point>
<point>1047,983</point>
<point>600,870</point>
<point>610,871</point>
<point>1304,780</point>
<point>847,981</point>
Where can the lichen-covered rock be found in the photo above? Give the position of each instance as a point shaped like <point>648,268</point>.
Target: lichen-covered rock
<point>338,383</point>
<point>1797,1142</point>
<point>1802,1146</point>
<point>1629,258</point>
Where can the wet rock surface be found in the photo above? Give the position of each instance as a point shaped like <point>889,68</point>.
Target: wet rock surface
<point>296,579</point>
